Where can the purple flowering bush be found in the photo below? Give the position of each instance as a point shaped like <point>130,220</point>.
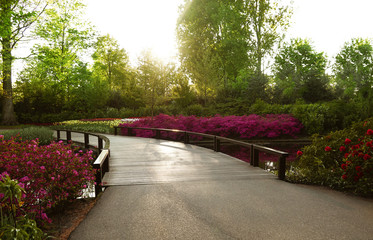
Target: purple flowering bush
<point>49,174</point>
<point>241,127</point>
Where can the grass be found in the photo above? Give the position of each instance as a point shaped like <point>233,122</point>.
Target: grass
<point>44,134</point>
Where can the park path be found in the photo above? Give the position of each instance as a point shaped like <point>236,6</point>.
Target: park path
<point>165,190</point>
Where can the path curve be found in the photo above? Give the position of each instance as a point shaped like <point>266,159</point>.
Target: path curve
<point>222,206</point>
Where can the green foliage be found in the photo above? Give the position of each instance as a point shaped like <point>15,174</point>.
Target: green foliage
<point>195,109</point>
<point>300,73</point>
<point>14,225</point>
<point>231,106</point>
<point>55,77</point>
<point>321,162</point>
<point>45,135</point>
<point>316,118</point>
<point>183,94</point>
<point>154,79</point>
<point>111,63</point>
<point>212,43</point>
<point>353,67</point>
<point>15,19</point>
<point>353,71</point>
<point>266,20</point>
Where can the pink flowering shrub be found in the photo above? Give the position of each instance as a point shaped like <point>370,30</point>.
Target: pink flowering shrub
<point>239,127</point>
<point>242,127</point>
<point>49,174</point>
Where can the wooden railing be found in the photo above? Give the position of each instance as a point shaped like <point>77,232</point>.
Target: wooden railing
<point>218,141</point>
<point>101,164</point>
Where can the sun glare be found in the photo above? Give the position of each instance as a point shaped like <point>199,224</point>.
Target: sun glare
<point>138,25</point>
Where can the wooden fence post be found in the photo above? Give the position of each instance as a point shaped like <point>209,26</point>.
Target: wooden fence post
<point>157,134</point>
<point>216,144</point>
<point>256,158</point>
<point>281,167</point>
<point>252,154</point>
<point>186,138</point>
<point>100,145</point>
<point>58,135</point>
<point>86,140</point>
<point>98,186</point>
<point>68,136</point>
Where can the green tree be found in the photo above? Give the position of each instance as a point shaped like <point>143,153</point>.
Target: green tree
<point>56,66</point>
<point>183,93</point>
<point>212,43</point>
<point>154,79</point>
<point>299,72</point>
<point>16,17</point>
<point>267,21</point>
<point>219,40</point>
<point>353,71</point>
<point>111,62</point>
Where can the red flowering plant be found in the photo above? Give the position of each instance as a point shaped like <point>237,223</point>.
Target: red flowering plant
<point>342,160</point>
<point>357,165</point>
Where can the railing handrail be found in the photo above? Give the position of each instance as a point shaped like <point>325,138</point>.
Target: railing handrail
<point>254,148</point>
<point>102,161</point>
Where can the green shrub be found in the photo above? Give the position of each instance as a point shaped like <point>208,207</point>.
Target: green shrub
<point>195,109</point>
<point>126,113</point>
<point>231,106</point>
<point>45,135</point>
<point>13,224</point>
<point>112,113</point>
<point>321,161</point>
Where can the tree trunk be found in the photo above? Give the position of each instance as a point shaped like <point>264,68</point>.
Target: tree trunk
<point>8,115</point>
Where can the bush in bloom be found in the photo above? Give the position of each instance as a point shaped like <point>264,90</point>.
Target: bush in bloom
<point>244,127</point>
<point>342,160</point>
<point>49,174</point>
<point>357,163</point>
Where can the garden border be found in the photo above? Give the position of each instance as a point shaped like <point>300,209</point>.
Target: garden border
<point>217,140</point>
<point>101,164</point>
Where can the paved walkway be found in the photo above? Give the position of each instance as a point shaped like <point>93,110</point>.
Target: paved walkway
<point>178,191</point>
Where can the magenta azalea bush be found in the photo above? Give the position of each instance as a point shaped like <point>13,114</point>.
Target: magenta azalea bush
<point>49,174</point>
<point>238,127</point>
<point>242,127</point>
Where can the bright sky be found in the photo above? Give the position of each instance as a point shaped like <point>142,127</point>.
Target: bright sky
<point>144,24</point>
<point>331,23</point>
<point>138,24</point>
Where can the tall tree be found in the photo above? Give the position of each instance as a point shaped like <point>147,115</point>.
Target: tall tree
<point>267,21</point>
<point>56,63</point>
<point>155,79</point>
<point>16,17</point>
<point>353,71</point>
<point>353,67</point>
<point>299,72</point>
<point>111,62</point>
<point>219,39</point>
<point>212,42</point>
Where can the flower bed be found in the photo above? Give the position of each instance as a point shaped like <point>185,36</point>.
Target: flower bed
<point>50,174</point>
<point>101,126</point>
<point>240,127</point>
